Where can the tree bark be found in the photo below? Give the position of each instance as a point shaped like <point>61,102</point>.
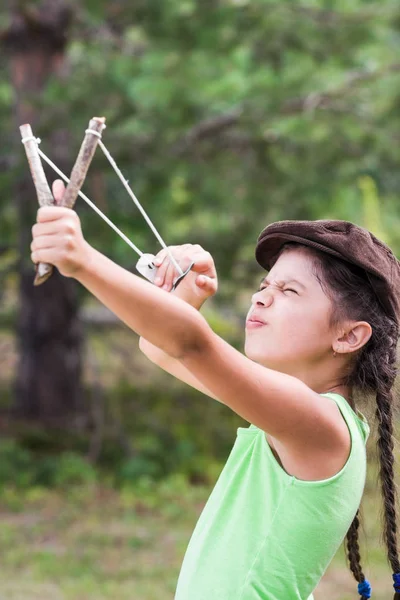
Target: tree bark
<point>48,381</point>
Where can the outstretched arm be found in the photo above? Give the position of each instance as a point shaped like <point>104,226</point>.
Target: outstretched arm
<point>280,404</point>
<point>197,286</point>
<point>164,320</point>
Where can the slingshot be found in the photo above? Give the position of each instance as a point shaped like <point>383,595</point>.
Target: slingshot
<point>145,264</point>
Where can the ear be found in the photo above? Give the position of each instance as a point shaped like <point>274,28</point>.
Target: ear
<point>353,337</point>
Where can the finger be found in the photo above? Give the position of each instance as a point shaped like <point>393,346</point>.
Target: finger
<point>167,271</point>
<point>207,284</point>
<point>183,259</point>
<point>53,213</point>
<point>161,265</point>
<point>170,275</point>
<point>39,229</point>
<point>174,250</point>
<point>159,279</point>
<point>163,261</point>
<point>44,241</point>
<point>160,257</point>
<point>58,189</point>
<point>46,256</point>
<point>203,263</point>
<point>184,262</point>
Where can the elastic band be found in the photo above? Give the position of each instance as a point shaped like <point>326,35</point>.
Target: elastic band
<point>93,132</point>
<point>140,207</point>
<point>396,579</point>
<point>98,134</point>
<point>364,588</point>
<point>130,192</point>
<point>132,195</point>
<point>29,138</point>
<point>90,203</point>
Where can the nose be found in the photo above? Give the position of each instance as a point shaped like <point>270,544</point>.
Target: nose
<point>262,298</point>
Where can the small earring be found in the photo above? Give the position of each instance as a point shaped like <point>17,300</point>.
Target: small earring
<point>334,354</point>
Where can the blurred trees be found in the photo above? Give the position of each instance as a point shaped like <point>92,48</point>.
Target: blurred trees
<point>224,116</point>
<point>48,328</point>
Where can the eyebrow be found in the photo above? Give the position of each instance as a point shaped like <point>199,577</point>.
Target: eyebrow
<point>286,282</point>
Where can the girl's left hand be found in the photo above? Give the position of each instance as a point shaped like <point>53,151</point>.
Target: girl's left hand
<point>57,237</point>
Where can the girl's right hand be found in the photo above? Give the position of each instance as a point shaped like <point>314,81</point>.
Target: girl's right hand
<point>199,284</point>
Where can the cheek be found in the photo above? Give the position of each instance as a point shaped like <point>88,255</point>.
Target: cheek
<point>311,328</point>
<point>301,326</point>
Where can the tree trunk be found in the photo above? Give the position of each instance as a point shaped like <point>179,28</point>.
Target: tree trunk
<point>48,383</point>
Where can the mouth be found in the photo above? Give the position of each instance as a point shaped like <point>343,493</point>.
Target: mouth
<point>253,324</point>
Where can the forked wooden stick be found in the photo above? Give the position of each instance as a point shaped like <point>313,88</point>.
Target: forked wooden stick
<point>82,162</point>
<point>78,174</point>
<point>44,195</point>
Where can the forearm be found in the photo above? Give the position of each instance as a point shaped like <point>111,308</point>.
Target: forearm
<point>164,320</point>
<point>155,354</point>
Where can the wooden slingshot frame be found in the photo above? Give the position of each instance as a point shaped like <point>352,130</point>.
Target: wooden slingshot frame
<point>92,139</point>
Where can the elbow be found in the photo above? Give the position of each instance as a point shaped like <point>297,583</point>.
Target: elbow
<point>192,341</point>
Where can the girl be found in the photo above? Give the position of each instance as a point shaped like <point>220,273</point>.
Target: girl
<point>323,325</point>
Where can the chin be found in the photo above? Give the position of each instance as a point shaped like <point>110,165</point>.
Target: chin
<point>257,355</point>
<point>268,361</point>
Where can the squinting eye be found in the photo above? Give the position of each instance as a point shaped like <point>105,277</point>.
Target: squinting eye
<point>286,290</point>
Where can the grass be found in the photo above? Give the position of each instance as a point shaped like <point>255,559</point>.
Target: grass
<point>96,543</point>
<point>92,542</point>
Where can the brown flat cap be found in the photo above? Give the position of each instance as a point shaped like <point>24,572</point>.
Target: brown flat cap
<point>344,240</point>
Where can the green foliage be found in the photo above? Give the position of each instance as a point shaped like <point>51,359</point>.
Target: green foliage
<point>306,95</point>
<point>372,213</point>
<point>160,438</point>
<point>22,468</point>
<point>16,464</point>
<point>73,470</point>
<point>224,116</point>
<point>165,436</point>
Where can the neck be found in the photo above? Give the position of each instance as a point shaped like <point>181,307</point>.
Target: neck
<point>322,380</point>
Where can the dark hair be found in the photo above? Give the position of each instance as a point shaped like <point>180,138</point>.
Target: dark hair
<point>372,370</point>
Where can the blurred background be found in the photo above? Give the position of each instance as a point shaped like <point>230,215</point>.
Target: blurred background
<point>224,116</point>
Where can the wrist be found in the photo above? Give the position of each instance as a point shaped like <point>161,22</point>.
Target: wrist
<point>188,297</point>
<point>87,255</point>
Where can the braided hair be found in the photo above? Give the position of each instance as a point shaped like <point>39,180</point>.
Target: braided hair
<point>371,371</point>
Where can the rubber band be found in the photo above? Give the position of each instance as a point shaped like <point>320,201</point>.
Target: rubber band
<point>136,201</point>
<point>93,132</point>
<point>396,579</point>
<point>91,204</point>
<point>130,192</point>
<point>364,588</point>
<point>29,138</point>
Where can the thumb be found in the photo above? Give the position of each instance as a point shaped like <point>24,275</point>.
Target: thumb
<point>204,264</point>
<point>207,284</point>
<point>58,189</point>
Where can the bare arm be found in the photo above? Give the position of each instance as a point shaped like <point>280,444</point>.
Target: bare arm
<point>189,291</point>
<point>166,321</point>
<point>185,292</point>
<point>280,404</point>
<point>165,361</point>
<point>173,366</point>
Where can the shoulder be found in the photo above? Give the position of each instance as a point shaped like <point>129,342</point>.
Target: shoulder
<point>278,403</point>
<point>310,460</point>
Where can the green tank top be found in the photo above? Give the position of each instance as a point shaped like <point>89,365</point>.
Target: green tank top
<point>266,535</point>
